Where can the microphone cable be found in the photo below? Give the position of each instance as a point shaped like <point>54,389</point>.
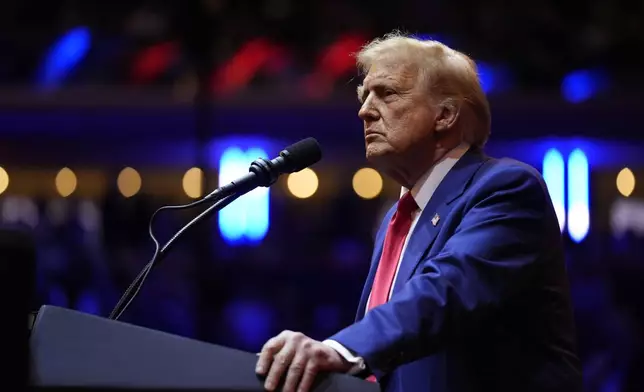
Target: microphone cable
<point>262,172</point>
<point>159,252</point>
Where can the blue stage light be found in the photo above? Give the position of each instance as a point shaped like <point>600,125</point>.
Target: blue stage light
<point>257,204</point>
<point>578,195</point>
<point>487,76</point>
<point>246,220</point>
<point>554,176</point>
<point>580,86</point>
<point>64,56</point>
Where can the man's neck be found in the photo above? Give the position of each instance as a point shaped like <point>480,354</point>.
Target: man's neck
<point>424,187</point>
<point>409,176</point>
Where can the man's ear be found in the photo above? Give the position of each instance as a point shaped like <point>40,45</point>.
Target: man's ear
<point>448,112</point>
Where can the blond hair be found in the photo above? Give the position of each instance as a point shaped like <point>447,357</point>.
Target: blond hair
<point>450,75</point>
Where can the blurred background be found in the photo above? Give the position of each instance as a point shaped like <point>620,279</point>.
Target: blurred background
<point>109,110</point>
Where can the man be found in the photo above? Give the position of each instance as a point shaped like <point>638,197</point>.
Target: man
<point>467,288</point>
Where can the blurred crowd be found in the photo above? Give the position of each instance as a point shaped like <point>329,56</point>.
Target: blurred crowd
<point>536,42</point>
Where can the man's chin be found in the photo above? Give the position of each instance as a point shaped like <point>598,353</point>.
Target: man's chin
<point>376,156</point>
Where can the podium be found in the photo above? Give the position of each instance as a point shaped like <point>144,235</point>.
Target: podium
<point>70,349</point>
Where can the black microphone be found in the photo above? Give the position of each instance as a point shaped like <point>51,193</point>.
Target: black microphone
<point>263,172</point>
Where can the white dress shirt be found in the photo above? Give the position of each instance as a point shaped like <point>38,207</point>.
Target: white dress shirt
<point>422,192</point>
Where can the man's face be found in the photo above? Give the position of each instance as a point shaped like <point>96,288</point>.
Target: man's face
<point>397,114</point>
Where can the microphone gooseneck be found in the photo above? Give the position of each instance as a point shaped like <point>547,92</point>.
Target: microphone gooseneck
<point>262,172</point>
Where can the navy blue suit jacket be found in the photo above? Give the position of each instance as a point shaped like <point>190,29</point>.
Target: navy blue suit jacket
<point>481,301</point>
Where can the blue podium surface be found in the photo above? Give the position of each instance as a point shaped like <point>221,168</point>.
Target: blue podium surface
<point>74,349</point>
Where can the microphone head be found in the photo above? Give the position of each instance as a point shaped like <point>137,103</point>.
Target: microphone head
<point>301,155</point>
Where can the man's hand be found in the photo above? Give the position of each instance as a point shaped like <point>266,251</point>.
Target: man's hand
<point>300,357</point>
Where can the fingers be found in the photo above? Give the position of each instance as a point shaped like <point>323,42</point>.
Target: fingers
<point>317,358</point>
<point>281,363</point>
<point>297,357</point>
<point>308,376</point>
<point>270,349</point>
<point>295,372</point>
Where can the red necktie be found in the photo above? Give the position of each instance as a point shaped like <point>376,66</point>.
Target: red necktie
<point>394,241</point>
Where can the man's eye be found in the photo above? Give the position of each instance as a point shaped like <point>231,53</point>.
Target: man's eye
<point>389,92</point>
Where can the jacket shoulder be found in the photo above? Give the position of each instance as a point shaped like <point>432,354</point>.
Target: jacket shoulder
<point>504,174</point>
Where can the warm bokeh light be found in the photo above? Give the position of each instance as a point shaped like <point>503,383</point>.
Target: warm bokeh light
<point>66,182</point>
<point>192,182</point>
<point>367,183</point>
<point>625,182</point>
<point>129,182</point>
<point>302,184</point>
<point>4,180</point>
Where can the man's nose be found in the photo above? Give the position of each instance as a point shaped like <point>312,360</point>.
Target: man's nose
<point>368,113</point>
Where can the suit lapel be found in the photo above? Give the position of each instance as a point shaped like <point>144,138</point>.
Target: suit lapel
<point>432,217</point>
